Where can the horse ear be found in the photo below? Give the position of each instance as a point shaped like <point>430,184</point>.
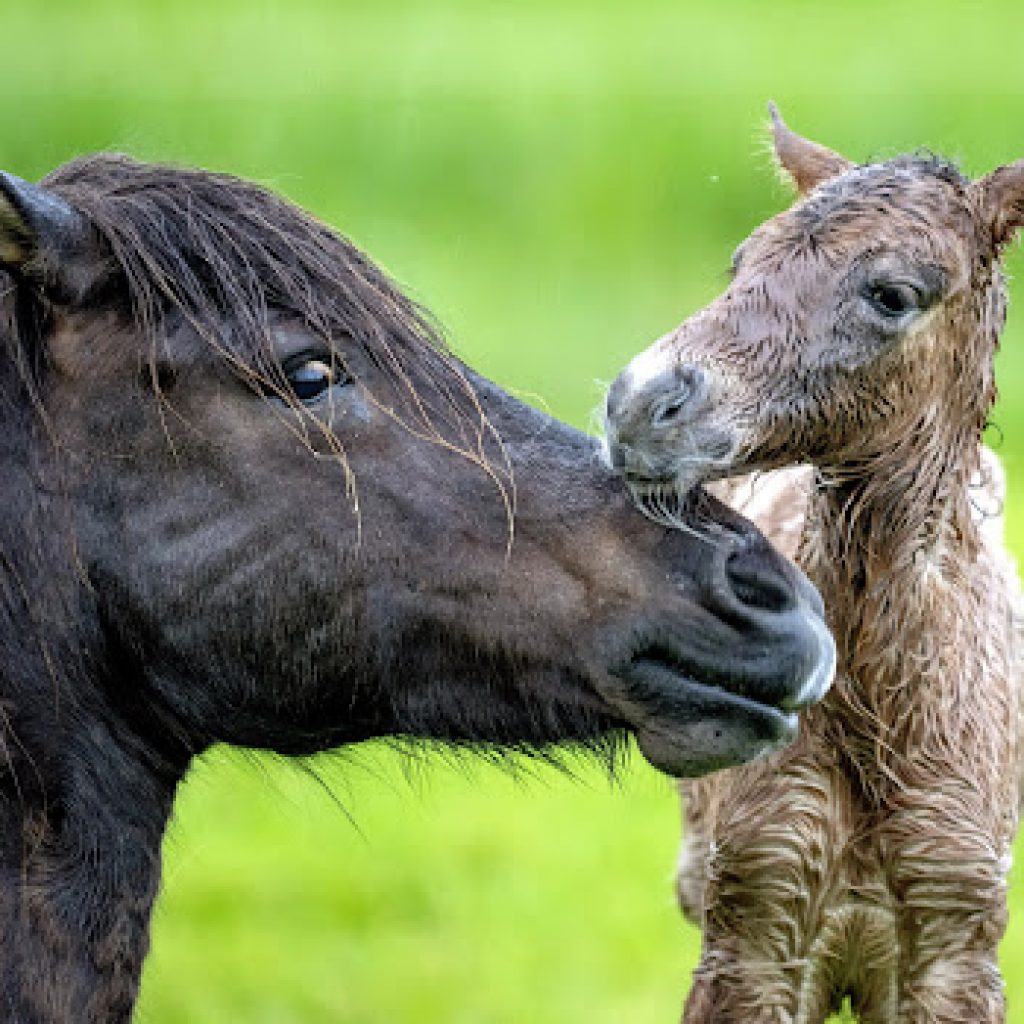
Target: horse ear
<point>806,163</point>
<point>44,240</point>
<point>1001,201</point>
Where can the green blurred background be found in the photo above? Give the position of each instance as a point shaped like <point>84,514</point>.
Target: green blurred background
<point>561,182</point>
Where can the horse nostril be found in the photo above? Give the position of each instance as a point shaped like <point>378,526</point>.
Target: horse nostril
<point>757,582</point>
<point>679,397</point>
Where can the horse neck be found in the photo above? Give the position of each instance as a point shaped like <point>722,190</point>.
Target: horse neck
<point>83,800</point>
<point>79,874</point>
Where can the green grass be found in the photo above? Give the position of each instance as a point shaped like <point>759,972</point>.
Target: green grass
<point>465,897</point>
<point>561,181</point>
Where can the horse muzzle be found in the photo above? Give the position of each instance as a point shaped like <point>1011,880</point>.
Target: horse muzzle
<point>720,679</point>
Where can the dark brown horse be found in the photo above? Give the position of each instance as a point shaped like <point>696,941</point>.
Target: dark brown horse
<point>249,498</point>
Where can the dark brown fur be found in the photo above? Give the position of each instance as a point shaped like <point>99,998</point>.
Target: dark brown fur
<point>199,546</point>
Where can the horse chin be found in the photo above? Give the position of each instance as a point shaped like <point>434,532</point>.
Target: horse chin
<point>726,745</point>
<point>685,728</point>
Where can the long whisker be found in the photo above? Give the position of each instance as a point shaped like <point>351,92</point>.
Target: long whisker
<point>671,504</point>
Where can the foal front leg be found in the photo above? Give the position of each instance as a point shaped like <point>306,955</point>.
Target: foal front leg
<point>768,875</point>
<point>950,883</point>
<point>734,988</point>
<point>949,971</point>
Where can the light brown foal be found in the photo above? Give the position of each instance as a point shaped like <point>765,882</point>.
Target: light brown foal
<point>869,858</point>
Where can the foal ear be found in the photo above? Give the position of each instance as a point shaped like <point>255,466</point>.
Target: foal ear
<point>1001,201</point>
<point>806,163</point>
<point>43,240</point>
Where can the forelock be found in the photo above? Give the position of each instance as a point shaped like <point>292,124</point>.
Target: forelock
<point>900,183</point>
<point>217,249</point>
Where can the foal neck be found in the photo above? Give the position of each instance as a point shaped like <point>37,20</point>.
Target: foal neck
<point>919,607</point>
<point>898,518</point>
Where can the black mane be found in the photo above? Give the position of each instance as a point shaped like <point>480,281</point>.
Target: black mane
<point>214,249</point>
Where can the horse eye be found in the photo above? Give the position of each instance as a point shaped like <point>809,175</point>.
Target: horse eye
<point>310,378</point>
<point>894,299</point>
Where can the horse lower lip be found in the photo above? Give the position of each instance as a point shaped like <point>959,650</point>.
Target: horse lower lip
<point>657,679</point>
<point>684,727</point>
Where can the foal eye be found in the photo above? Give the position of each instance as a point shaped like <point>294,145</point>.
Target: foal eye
<point>311,378</point>
<point>894,299</point>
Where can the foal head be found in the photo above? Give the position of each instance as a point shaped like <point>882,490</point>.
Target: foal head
<point>859,326</point>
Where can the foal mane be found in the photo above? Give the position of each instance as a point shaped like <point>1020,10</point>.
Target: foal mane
<point>218,250</point>
<point>871,181</point>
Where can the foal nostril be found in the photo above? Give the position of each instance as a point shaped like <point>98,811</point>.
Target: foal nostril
<point>678,396</point>
<point>640,414</point>
<point>671,410</point>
